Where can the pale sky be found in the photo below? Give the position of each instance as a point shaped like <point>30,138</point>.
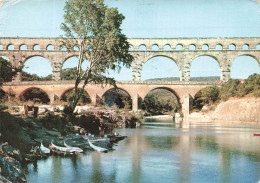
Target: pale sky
<point>147,19</point>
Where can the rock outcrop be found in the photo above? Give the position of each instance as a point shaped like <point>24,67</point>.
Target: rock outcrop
<point>235,110</point>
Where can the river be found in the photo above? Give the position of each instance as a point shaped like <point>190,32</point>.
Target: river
<point>161,152</point>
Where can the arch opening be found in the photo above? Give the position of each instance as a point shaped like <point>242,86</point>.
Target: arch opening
<point>219,47</point>
<point>232,47</point>
<point>63,48</point>
<point>257,47</point>
<point>69,68</point>
<point>117,98</point>
<point>76,48</point>
<point>192,47</point>
<point>50,47</point>
<point>167,47</point>
<point>161,101</point>
<point>36,47</point>
<point>23,47</point>
<point>1,47</point>
<point>245,47</point>
<point>34,95</point>
<point>244,66</point>
<point>179,47</point>
<point>84,99</point>
<point>155,47</point>
<point>160,68</point>
<point>131,48</point>
<point>142,47</point>
<point>205,47</point>
<point>37,68</point>
<point>10,47</point>
<point>205,68</point>
<point>6,73</point>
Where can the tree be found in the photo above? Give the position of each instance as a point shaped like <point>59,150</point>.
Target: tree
<point>6,71</point>
<point>95,29</point>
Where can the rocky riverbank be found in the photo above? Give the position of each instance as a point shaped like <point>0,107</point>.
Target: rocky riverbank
<point>234,110</point>
<point>24,135</point>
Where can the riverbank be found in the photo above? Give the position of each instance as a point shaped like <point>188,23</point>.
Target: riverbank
<point>24,135</point>
<point>234,110</point>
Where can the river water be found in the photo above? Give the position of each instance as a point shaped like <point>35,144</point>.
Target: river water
<point>161,152</point>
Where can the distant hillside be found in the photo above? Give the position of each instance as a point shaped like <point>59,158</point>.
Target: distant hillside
<point>209,78</point>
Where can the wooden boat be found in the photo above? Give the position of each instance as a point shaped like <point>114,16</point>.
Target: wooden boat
<point>75,149</point>
<point>44,150</point>
<point>256,134</point>
<point>96,148</point>
<point>62,149</point>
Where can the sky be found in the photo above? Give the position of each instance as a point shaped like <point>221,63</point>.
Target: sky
<point>146,19</point>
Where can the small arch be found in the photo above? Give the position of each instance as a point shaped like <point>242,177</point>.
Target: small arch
<point>245,47</point>
<point>142,47</point>
<point>76,48</point>
<point>118,98</point>
<point>167,47</point>
<point>36,47</point>
<point>219,47</point>
<point>23,47</point>
<point>63,48</point>
<point>10,47</point>
<point>205,47</point>
<point>155,47</point>
<point>192,47</point>
<point>131,48</point>
<point>232,47</point>
<point>50,47</point>
<point>35,95</point>
<point>179,47</point>
<point>1,47</point>
<point>257,47</point>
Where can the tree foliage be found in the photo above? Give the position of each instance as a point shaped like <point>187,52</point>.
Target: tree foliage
<point>160,101</point>
<point>95,29</point>
<point>117,97</point>
<point>6,71</point>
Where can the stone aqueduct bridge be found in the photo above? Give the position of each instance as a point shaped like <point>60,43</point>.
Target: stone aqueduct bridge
<point>223,50</point>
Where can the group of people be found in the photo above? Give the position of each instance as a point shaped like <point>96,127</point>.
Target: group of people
<point>28,108</point>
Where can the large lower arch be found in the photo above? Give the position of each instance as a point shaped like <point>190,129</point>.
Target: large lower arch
<point>160,67</point>
<point>34,95</point>
<point>69,67</point>
<point>67,97</point>
<point>39,66</point>
<point>117,98</point>
<point>243,66</point>
<point>161,100</point>
<point>205,68</point>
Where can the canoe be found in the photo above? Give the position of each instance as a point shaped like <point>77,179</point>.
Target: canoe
<point>256,134</point>
<point>62,149</point>
<point>96,148</point>
<point>44,150</point>
<point>75,149</point>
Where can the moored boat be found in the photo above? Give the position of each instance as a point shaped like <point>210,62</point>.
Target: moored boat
<point>256,134</point>
<point>96,148</point>
<point>75,149</point>
<point>44,150</point>
<point>62,149</point>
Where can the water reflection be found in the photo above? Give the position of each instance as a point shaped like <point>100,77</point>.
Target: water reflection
<point>163,153</point>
